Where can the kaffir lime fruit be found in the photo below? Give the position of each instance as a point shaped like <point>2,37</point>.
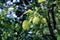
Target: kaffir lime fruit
<point>43,20</point>
<point>25,24</point>
<point>36,20</point>
<point>39,1</point>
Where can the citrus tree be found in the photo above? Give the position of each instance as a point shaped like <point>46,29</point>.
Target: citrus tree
<point>34,20</point>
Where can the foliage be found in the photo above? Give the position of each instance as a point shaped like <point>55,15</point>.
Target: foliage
<point>34,27</point>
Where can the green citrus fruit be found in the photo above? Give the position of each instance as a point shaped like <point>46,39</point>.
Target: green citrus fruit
<point>25,24</point>
<point>36,20</point>
<point>43,20</point>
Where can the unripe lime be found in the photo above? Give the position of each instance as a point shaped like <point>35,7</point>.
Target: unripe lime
<point>25,24</point>
<point>43,20</point>
<point>36,20</point>
<point>39,1</point>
